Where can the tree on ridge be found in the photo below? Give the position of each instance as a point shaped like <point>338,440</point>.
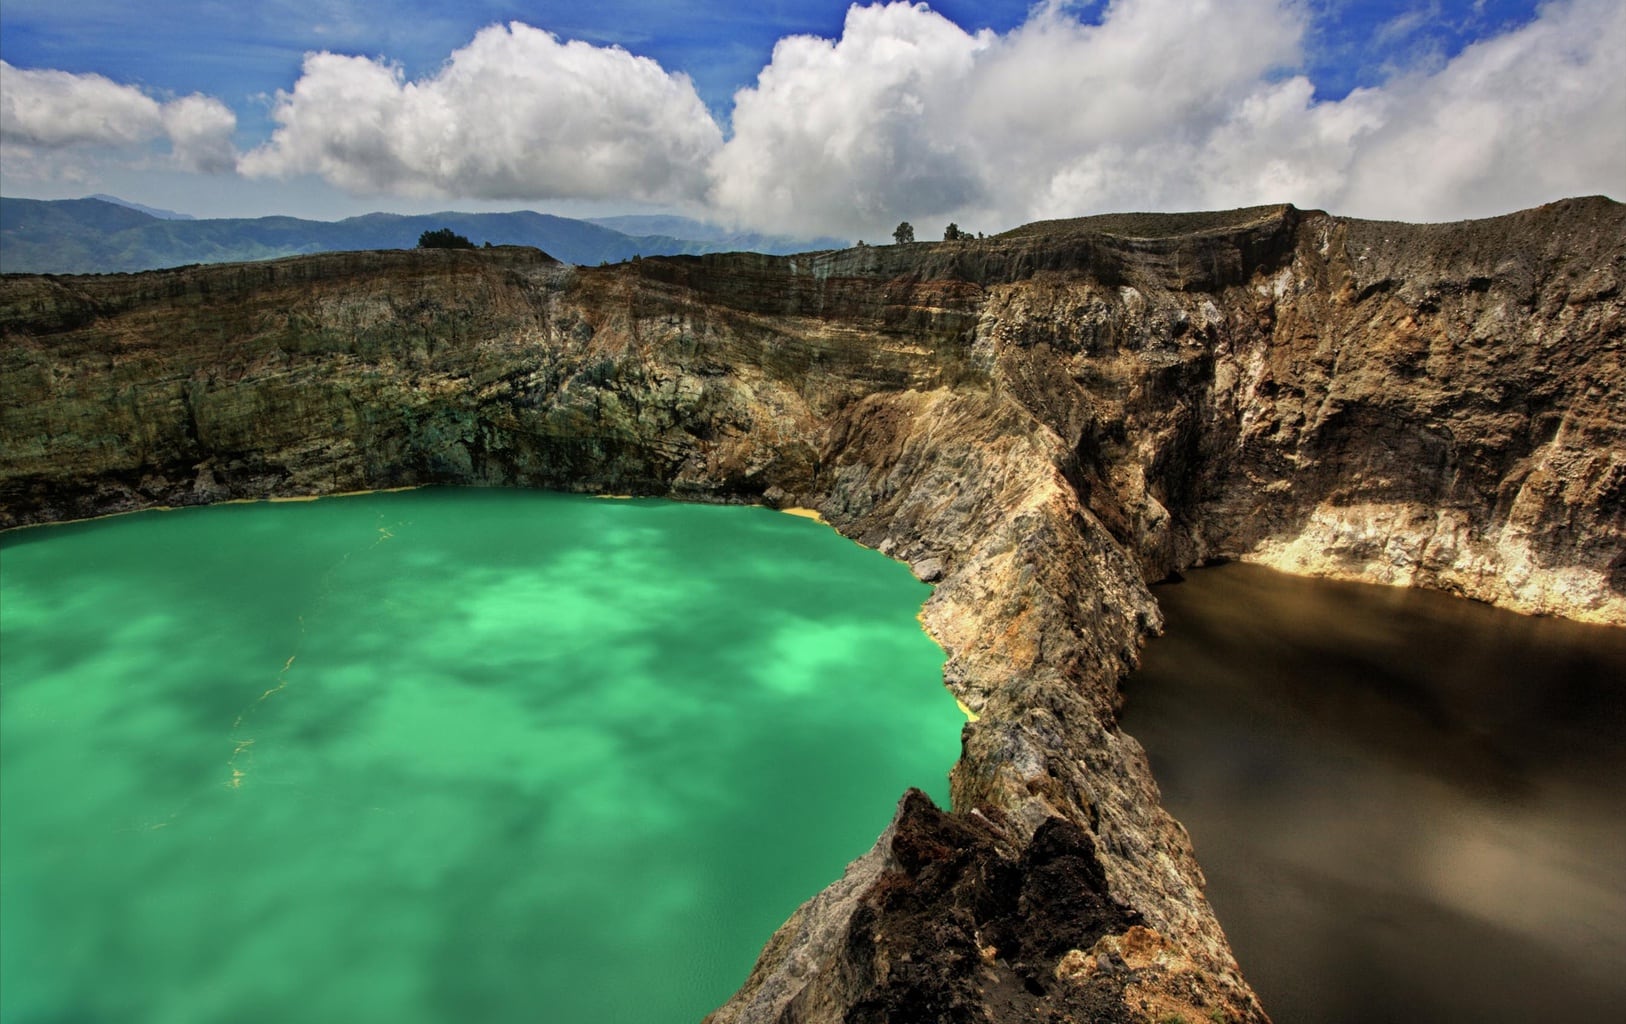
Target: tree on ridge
<point>443,238</point>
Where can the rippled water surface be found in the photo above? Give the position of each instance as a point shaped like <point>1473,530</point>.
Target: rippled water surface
<point>1409,807</point>
<point>439,755</point>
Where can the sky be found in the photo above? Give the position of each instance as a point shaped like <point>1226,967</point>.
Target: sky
<point>816,117</point>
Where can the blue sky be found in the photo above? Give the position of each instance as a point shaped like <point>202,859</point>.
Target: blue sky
<point>991,113</point>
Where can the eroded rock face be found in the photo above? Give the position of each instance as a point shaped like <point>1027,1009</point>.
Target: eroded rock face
<point>1040,423</point>
<point>961,918</point>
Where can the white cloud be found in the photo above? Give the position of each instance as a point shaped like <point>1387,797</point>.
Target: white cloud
<point>1405,24</point>
<point>46,115</point>
<point>1130,105</point>
<point>908,116</point>
<point>54,108</point>
<point>1164,104</point>
<point>1116,115</point>
<point>844,135</point>
<point>516,114</point>
<point>1520,119</point>
<point>200,130</point>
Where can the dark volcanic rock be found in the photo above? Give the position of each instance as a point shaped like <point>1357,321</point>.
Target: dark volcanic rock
<point>1041,422</point>
<point>961,919</point>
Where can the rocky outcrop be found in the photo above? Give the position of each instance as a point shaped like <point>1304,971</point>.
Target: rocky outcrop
<point>1039,423</point>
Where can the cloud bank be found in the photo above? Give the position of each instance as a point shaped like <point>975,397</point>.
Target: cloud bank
<point>1083,108</point>
<point>1163,104</point>
<point>516,114</point>
<point>45,114</point>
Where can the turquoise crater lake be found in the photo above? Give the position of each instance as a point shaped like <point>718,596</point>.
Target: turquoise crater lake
<point>439,755</point>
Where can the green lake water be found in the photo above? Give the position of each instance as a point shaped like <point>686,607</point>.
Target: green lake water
<point>439,755</point>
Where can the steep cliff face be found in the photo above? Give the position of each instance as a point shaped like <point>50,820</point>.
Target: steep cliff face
<point>1040,423</point>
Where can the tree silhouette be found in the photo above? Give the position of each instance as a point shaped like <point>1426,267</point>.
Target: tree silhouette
<point>444,238</point>
<point>952,233</point>
<point>904,233</point>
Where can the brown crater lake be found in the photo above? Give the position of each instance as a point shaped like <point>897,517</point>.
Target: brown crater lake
<point>1408,807</point>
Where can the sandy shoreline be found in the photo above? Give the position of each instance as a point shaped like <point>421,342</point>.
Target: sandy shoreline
<point>805,513</point>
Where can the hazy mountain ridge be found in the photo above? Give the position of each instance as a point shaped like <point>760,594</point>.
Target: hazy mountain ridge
<point>669,225</point>
<point>155,211</point>
<point>89,236</point>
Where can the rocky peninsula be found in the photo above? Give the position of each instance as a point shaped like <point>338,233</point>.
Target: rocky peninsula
<point>1040,423</point>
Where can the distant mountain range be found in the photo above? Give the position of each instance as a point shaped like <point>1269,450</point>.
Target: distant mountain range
<point>109,235</point>
<point>158,212</point>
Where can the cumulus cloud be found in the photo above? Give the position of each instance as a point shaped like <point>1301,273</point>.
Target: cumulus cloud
<point>200,133</point>
<point>44,111</point>
<point>516,114</point>
<point>1519,119</point>
<point>1083,108</point>
<point>908,116</point>
<point>1163,104</point>
<point>851,132</point>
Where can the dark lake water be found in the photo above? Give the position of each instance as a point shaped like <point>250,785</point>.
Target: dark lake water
<point>1408,807</point>
<point>439,756</point>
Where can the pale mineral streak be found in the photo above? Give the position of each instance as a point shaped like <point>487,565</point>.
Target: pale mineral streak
<point>1039,423</point>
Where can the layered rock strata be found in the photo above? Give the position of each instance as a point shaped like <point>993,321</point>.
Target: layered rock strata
<point>1040,423</point>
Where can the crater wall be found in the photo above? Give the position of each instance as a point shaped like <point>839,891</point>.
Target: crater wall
<point>1040,423</point>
